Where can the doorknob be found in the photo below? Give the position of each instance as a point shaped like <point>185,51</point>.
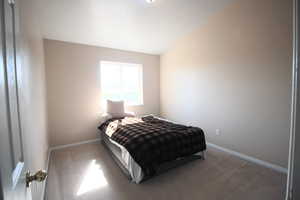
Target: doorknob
<point>39,176</point>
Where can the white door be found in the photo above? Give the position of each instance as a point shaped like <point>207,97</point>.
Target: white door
<point>13,166</point>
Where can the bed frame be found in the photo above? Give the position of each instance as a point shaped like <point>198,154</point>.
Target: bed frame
<point>115,153</point>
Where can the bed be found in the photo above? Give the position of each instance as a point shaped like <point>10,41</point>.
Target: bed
<point>148,146</point>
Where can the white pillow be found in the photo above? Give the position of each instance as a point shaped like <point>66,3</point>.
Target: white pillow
<point>115,108</point>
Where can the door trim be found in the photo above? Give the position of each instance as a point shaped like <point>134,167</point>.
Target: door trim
<point>295,90</point>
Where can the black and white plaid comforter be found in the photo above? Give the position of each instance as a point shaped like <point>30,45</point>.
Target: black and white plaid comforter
<point>151,141</point>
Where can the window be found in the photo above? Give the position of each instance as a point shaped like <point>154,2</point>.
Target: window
<point>122,81</point>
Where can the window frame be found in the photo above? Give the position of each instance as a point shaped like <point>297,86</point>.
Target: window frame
<point>121,66</point>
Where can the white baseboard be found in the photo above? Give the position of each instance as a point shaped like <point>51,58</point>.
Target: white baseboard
<point>74,144</point>
<point>249,158</point>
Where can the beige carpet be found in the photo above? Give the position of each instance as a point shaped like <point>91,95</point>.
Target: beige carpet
<point>87,172</point>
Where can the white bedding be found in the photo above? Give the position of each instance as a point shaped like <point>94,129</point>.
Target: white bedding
<point>106,116</point>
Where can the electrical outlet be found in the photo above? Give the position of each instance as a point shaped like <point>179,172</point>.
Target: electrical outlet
<point>218,132</point>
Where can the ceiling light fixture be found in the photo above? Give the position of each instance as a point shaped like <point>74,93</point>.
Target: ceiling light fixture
<point>150,1</point>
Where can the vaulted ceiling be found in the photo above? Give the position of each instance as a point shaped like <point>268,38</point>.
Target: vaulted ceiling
<point>125,24</point>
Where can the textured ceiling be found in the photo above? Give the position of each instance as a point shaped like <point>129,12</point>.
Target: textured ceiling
<point>125,24</point>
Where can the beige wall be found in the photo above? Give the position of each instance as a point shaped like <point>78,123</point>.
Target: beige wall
<point>234,74</point>
<point>33,91</point>
<point>73,88</point>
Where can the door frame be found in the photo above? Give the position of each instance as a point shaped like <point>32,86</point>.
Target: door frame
<point>12,171</point>
<point>1,63</point>
<point>295,104</point>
